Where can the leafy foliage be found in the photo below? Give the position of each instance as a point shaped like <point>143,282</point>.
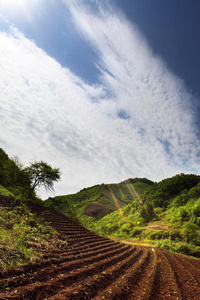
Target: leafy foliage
<point>40,173</point>
<point>109,196</point>
<point>179,247</point>
<point>5,192</point>
<point>161,193</point>
<point>180,213</point>
<point>21,183</point>
<point>13,177</point>
<point>130,205</point>
<point>22,233</point>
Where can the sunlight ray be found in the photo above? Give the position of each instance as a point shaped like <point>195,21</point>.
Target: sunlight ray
<point>133,192</point>
<point>114,198</point>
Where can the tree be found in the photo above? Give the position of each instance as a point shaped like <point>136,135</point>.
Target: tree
<point>40,173</point>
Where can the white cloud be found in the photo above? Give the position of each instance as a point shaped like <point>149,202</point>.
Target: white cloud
<point>48,113</point>
<point>141,82</point>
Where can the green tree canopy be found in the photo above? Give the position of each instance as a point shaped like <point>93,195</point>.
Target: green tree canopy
<point>11,173</point>
<point>40,173</point>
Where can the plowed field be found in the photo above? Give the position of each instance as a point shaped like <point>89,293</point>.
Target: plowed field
<point>93,267</point>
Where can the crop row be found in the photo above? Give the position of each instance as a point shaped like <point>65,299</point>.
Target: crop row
<point>93,267</point>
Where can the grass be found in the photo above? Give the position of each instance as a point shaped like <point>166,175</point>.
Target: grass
<point>22,236</point>
<point>111,196</point>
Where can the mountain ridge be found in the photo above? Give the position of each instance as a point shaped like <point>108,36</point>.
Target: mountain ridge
<point>99,200</point>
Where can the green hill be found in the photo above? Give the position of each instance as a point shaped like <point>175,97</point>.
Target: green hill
<point>99,200</point>
<point>163,192</point>
<point>168,213</point>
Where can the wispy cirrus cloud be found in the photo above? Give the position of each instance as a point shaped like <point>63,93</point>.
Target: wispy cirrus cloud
<point>141,84</point>
<point>138,120</point>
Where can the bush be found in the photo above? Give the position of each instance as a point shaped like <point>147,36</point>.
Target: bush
<point>5,192</point>
<point>157,234</point>
<point>135,232</point>
<point>175,235</point>
<point>179,247</point>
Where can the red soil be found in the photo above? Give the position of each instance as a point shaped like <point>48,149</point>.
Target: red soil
<point>93,267</point>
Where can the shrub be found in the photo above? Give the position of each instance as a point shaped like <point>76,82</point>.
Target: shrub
<point>180,247</point>
<point>135,232</point>
<point>5,192</point>
<point>155,234</point>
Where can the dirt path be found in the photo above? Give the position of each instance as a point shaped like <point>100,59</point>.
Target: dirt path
<point>93,267</point>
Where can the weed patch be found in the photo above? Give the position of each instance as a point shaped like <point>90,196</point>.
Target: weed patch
<point>22,236</point>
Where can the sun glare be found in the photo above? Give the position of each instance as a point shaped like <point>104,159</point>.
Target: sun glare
<point>12,3</point>
<point>17,6</point>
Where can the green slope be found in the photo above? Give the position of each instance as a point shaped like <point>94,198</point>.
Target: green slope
<point>168,213</point>
<point>99,200</point>
<point>23,234</point>
<point>163,192</point>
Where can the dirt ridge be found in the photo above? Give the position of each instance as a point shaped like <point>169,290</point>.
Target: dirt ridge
<point>93,267</point>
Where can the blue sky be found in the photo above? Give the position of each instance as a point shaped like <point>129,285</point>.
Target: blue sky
<point>103,90</point>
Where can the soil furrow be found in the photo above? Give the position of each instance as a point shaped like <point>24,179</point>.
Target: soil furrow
<point>92,267</point>
<point>64,253</point>
<point>165,285</point>
<point>189,287</point>
<point>120,288</point>
<point>68,263</point>
<point>88,287</point>
<point>66,277</point>
<point>84,247</point>
<point>37,265</point>
<point>190,267</point>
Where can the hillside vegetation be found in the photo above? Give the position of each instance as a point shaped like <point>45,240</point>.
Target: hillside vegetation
<point>22,233</point>
<point>173,224</point>
<point>92,267</point>
<point>99,200</point>
<point>167,212</point>
<point>14,180</point>
<point>45,254</point>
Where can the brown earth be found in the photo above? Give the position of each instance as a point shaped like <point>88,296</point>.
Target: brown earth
<point>93,267</point>
<point>96,210</point>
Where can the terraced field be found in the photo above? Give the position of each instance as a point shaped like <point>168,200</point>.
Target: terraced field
<point>93,267</point>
